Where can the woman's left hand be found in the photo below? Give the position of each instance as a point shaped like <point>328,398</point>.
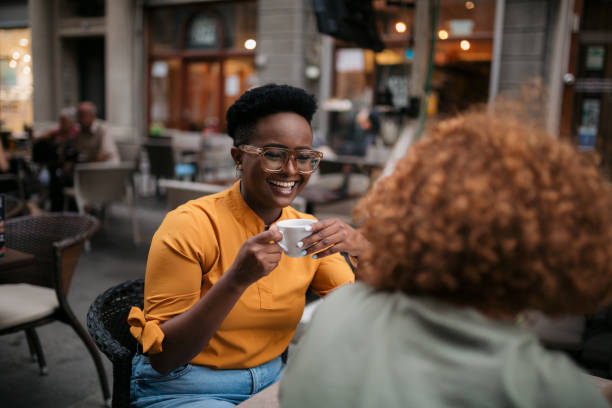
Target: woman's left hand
<point>334,235</point>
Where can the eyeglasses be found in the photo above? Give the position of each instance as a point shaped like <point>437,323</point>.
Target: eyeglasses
<point>274,159</point>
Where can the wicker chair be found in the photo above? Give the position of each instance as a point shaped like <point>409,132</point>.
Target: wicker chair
<point>107,324</point>
<point>14,207</point>
<point>38,295</point>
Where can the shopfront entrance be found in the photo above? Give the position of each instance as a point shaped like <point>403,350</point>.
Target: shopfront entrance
<point>201,59</point>
<point>587,100</point>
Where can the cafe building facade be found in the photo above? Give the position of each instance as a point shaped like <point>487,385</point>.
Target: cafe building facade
<point>180,63</point>
<point>554,55</point>
<point>176,64</point>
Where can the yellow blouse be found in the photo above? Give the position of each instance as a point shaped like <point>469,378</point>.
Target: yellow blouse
<point>195,244</point>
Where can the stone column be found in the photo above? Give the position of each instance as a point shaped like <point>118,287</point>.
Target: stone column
<point>280,42</point>
<point>43,66</point>
<point>120,85</point>
<point>422,39</point>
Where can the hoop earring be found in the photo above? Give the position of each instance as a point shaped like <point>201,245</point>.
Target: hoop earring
<point>238,170</point>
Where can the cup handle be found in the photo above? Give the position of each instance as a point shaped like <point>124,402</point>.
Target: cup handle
<point>282,244</point>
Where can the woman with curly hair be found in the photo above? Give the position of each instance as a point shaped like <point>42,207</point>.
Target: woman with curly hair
<point>483,219</point>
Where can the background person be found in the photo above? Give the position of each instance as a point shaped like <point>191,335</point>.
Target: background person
<point>93,142</point>
<point>483,219</point>
<point>56,150</point>
<point>221,301</point>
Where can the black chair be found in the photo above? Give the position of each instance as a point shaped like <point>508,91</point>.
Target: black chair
<point>162,162</point>
<point>107,324</point>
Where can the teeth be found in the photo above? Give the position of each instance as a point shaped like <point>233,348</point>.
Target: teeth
<point>286,184</point>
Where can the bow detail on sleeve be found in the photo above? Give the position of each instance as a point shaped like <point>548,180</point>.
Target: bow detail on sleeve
<point>148,333</point>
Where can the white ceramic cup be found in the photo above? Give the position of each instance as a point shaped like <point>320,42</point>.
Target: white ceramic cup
<point>293,231</point>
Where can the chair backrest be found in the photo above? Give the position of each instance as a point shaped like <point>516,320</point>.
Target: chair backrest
<point>101,183</point>
<point>107,319</point>
<point>129,152</point>
<point>216,160</point>
<point>107,325</point>
<point>179,191</point>
<point>56,241</point>
<point>161,157</point>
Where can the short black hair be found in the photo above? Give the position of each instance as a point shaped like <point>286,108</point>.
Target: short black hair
<point>262,101</point>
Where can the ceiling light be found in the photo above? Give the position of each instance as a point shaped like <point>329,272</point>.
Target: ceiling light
<point>250,44</point>
<point>443,34</point>
<point>400,27</point>
<point>465,45</point>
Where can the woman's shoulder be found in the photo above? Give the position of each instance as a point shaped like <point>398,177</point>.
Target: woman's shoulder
<point>192,213</point>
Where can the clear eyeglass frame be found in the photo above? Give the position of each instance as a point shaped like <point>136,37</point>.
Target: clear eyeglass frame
<point>315,159</point>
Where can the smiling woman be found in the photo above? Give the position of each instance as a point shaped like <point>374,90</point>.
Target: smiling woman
<point>222,301</point>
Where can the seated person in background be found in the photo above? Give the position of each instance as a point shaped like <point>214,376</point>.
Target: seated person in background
<point>221,300</point>
<point>93,142</point>
<point>56,149</point>
<point>362,134</point>
<point>483,219</point>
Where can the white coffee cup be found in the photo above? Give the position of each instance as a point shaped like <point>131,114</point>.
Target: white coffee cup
<point>293,231</point>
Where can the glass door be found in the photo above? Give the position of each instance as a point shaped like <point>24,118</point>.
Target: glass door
<point>203,90</point>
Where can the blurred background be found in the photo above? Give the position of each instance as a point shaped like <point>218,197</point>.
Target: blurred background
<point>172,67</point>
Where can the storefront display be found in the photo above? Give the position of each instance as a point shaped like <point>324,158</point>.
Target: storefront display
<point>15,81</point>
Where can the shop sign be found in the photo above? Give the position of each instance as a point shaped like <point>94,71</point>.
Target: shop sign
<point>595,56</point>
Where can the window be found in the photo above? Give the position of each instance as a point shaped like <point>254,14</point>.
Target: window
<point>15,80</point>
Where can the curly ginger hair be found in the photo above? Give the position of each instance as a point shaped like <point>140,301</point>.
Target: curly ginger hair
<point>492,213</point>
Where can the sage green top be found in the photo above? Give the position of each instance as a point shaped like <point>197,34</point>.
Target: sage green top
<point>366,348</point>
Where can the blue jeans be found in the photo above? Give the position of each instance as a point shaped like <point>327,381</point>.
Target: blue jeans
<point>198,386</point>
